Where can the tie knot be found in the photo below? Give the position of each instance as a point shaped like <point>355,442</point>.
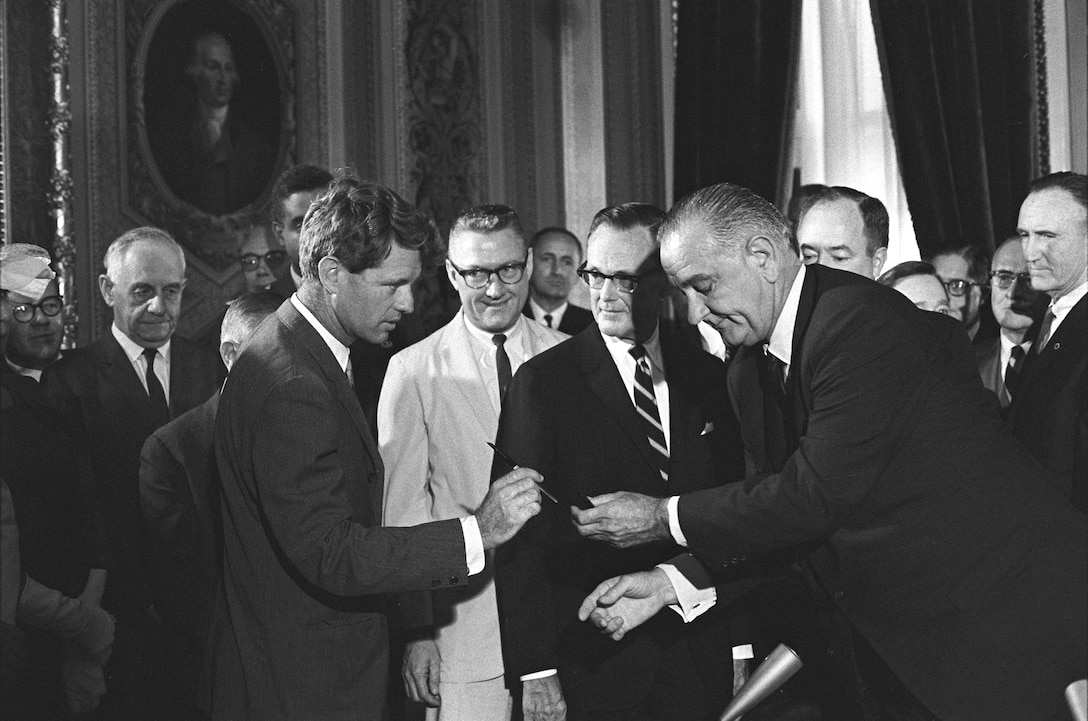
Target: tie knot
<point>498,339</point>
<point>1018,352</point>
<point>548,319</point>
<point>638,352</point>
<point>149,354</point>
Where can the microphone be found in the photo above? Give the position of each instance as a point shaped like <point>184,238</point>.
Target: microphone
<point>1076,695</point>
<point>781,664</point>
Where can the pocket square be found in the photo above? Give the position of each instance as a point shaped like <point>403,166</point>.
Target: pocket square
<point>707,428</point>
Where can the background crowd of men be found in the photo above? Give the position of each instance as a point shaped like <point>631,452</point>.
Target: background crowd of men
<point>268,524</point>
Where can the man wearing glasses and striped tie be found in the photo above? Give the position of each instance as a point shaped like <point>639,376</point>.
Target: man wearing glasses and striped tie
<point>617,407</point>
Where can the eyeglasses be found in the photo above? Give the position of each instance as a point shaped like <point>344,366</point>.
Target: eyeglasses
<point>1004,279</point>
<point>477,278</point>
<point>958,287</point>
<point>274,259</point>
<point>625,282</point>
<point>51,306</point>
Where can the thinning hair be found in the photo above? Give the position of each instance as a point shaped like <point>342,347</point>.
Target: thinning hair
<point>977,259</point>
<point>488,219</point>
<point>797,201</point>
<point>731,214</point>
<point>115,254</point>
<point>308,178</point>
<point>245,313</point>
<point>553,230</point>
<point>1076,184</point>
<point>874,216</point>
<point>357,222</point>
<point>628,216</point>
<point>906,269</point>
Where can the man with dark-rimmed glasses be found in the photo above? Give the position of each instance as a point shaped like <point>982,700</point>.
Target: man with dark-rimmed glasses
<point>36,328</point>
<point>619,406</point>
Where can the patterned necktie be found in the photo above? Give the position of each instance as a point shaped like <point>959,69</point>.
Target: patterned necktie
<point>1044,332</point>
<point>646,405</point>
<point>1012,370</point>
<point>350,373</point>
<point>548,319</point>
<point>502,363</point>
<point>154,388</point>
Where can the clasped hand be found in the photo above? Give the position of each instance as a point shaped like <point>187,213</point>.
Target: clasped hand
<point>624,519</point>
<point>623,603</point>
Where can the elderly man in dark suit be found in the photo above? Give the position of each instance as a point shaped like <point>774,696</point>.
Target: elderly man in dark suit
<point>962,572</point>
<point>299,629</point>
<point>617,406</point>
<point>1017,309</point>
<point>117,391</point>
<point>179,497</point>
<point>1049,415</point>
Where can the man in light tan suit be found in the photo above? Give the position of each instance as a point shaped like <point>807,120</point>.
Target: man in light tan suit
<point>439,407</point>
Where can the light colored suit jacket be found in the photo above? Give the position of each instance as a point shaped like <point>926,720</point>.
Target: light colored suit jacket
<point>439,407</point>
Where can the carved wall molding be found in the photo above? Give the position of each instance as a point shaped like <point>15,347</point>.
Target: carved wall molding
<point>61,184</point>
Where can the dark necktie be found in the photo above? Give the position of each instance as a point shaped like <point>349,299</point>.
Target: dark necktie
<point>1012,370</point>
<point>548,319</point>
<point>154,388</point>
<point>777,435</point>
<point>502,363</point>
<point>350,373</point>
<point>1044,332</point>
<point>646,405</point>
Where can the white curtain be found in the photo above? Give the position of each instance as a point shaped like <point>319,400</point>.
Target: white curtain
<point>842,132</point>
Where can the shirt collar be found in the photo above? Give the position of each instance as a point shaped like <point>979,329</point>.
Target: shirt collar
<point>1061,306</point>
<point>781,342</point>
<point>539,312</point>
<point>1007,346</point>
<point>134,350</point>
<point>339,350</point>
<point>620,348</point>
<point>513,333</point>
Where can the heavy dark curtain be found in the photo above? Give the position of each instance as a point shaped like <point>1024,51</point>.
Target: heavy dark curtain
<point>734,75</point>
<point>958,77</point>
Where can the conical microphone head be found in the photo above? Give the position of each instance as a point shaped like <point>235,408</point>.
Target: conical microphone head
<point>779,666</point>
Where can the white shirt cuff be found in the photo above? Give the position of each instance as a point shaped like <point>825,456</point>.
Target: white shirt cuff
<point>539,674</point>
<point>474,545</point>
<point>674,522</point>
<point>742,652</point>
<point>691,602</point>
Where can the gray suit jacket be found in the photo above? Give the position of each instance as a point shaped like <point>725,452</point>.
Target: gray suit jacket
<point>299,629</point>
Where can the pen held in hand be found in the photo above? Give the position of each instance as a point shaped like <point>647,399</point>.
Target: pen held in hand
<point>515,466</point>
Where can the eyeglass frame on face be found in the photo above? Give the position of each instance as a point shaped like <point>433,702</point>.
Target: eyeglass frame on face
<point>518,268</point>
<point>252,261</point>
<point>18,309</point>
<point>958,282</point>
<point>1005,279</point>
<point>624,282</point>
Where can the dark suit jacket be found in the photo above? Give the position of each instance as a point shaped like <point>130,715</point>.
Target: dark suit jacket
<point>48,470</point>
<point>1050,413</point>
<point>568,415</point>
<point>934,532</point>
<point>179,499</point>
<point>99,391</point>
<point>988,357</point>
<point>575,319</point>
<point>299,628</point>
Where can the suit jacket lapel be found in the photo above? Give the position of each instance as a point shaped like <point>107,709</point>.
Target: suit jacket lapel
<point>459,351</point>
<point>118,374</point>
<point>686,420</point>
<point>603,378</point>
<point>313,344</point>
<point>796,410</point>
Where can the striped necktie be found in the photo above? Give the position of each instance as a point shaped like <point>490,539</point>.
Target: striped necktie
<point>646,405</point>
<point>1012,370</point>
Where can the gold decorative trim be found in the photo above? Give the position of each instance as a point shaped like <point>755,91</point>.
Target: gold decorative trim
<point>60,180</point>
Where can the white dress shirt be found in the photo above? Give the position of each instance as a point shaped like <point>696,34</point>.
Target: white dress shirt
<point>1060,307</point>
<point>539,313</point>
<point>474,543</point>
<point>135,354</point>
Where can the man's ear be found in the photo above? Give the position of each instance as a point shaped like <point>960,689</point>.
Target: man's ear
<point>451,273</point>
<point>328,273</point>
<point>105,286</point>
<point>763,255</point>
<point>228,351</point>
<point>879,258</point>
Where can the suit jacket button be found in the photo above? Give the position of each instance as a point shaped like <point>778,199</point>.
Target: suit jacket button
<point>454,580</point>
<point>435,583</point>
<point>837,595</point>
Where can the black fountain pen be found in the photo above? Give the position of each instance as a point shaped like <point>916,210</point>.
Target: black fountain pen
<point>510,461</point>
